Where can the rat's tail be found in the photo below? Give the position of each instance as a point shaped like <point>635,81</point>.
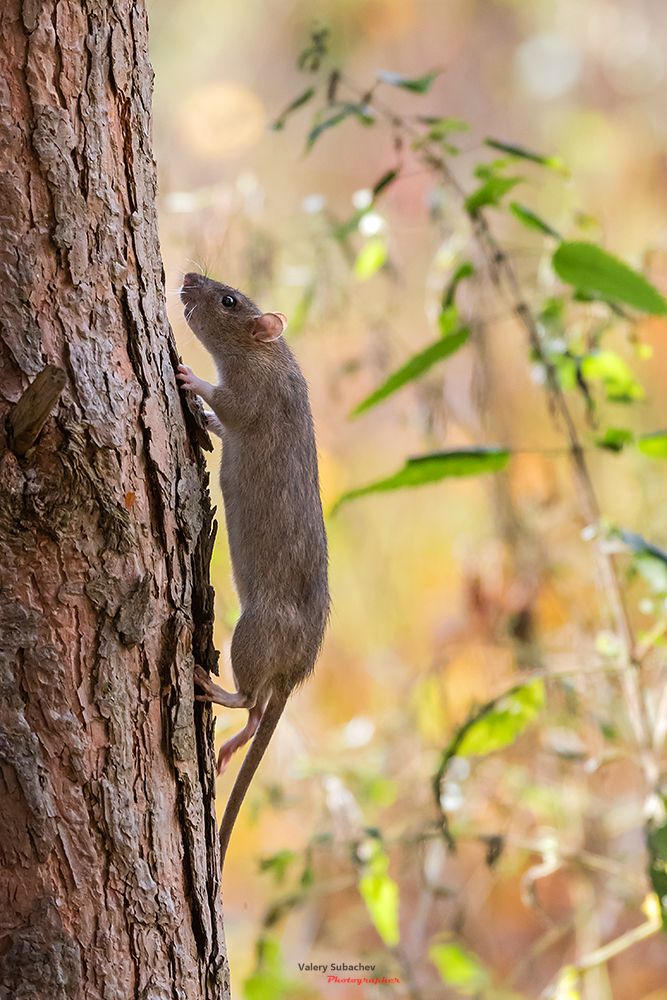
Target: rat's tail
<point>268,723</point>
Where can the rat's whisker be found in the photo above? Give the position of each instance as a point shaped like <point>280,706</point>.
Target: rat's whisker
<point>197,265</point>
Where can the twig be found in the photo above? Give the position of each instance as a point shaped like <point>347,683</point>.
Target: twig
<point>618,945</point>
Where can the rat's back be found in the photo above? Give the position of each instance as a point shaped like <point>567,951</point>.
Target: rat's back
<point>272,502</point>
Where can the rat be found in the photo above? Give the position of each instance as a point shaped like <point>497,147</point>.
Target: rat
<point>273,513</point>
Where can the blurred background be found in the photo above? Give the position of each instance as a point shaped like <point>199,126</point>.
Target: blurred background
<point>445,596</point>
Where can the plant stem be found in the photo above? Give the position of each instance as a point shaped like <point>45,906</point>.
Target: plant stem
<point>504,278</point>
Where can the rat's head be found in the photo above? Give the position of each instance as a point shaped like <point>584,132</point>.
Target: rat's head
<point>226,320</point>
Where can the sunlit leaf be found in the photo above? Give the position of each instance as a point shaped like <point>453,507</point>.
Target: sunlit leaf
<point>448,320</point>
<point>298,102</point>
<point>615,438</point>
<point>268,981</point>
<point>521,153</point>
<point>491,192</point>
<point>532,220</point>
<point>380,894</point>
<point>371,257</point>
<point>458,968</point>
<point>412,369</point>
<point>418,85</point>
<point>434,467</point>
<point>589,267</point>
<point>654,445</point>
<point>618,380</point>
<point>501,724</point>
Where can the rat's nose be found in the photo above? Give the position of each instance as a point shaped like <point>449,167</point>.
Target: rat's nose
<point>192,280</point>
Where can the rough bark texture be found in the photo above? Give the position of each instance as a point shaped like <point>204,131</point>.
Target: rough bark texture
<point>108,842</point>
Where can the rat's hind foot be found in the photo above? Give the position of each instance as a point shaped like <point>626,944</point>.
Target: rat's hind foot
<point>213,425</point>
<point>213,692</point>
<point>228,749</point>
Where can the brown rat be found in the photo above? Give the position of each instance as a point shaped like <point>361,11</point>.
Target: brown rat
<point>273,513</point>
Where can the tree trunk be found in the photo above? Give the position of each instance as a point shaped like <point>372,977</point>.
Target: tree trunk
<point>108,842</point>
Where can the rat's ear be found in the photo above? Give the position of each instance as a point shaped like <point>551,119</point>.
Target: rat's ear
<point>269,326</point>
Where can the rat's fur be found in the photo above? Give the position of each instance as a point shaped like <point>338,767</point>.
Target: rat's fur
<point>273,511</point>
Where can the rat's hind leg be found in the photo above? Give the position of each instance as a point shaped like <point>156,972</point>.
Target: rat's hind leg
<point>231,746</point>
<point>251,654</point>
<point>213,692</point>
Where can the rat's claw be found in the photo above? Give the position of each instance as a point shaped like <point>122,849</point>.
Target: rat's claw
<point>185,376</point>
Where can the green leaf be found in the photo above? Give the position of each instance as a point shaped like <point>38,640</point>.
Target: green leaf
<point>384,182</point>
<point>371,257</point>
<point>657,852</point>
<point>412,369</point>
<point>619,382</point>
<point>439,132</point>
<point>649,560</point>
<point>441,127</point>
<point>299,314</point>
<point>531,220</point>
<point>639,545</point>
<point>458,968</point>
<point>277,864</point>
<point>434,467</point>
<point>463,271</point>
<point>268,981</point>
<point>589,267</point>
<point>654,445</point>
<point>448,320</point>
<point>359,111</point>
<point>380,894</point>
<point>298,102</point>
<point>499,724</point>
<point>490,192</point>
<point>521,153</point>
<point>615,439</point>
<point>418,85</point>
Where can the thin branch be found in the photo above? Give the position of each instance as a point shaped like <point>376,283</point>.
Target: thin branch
<point>618,945</point>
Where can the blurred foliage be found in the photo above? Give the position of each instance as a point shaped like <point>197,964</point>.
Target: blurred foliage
<point>469,794</point>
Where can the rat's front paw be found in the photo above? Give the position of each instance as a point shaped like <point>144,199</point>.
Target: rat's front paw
<point>187,378</point>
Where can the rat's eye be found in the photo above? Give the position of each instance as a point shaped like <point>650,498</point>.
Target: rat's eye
<point>228,301</point>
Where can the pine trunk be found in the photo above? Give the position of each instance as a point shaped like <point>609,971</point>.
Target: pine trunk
<point>110,875</point>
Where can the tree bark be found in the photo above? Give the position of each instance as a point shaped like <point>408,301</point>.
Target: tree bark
<point>110,874</point>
